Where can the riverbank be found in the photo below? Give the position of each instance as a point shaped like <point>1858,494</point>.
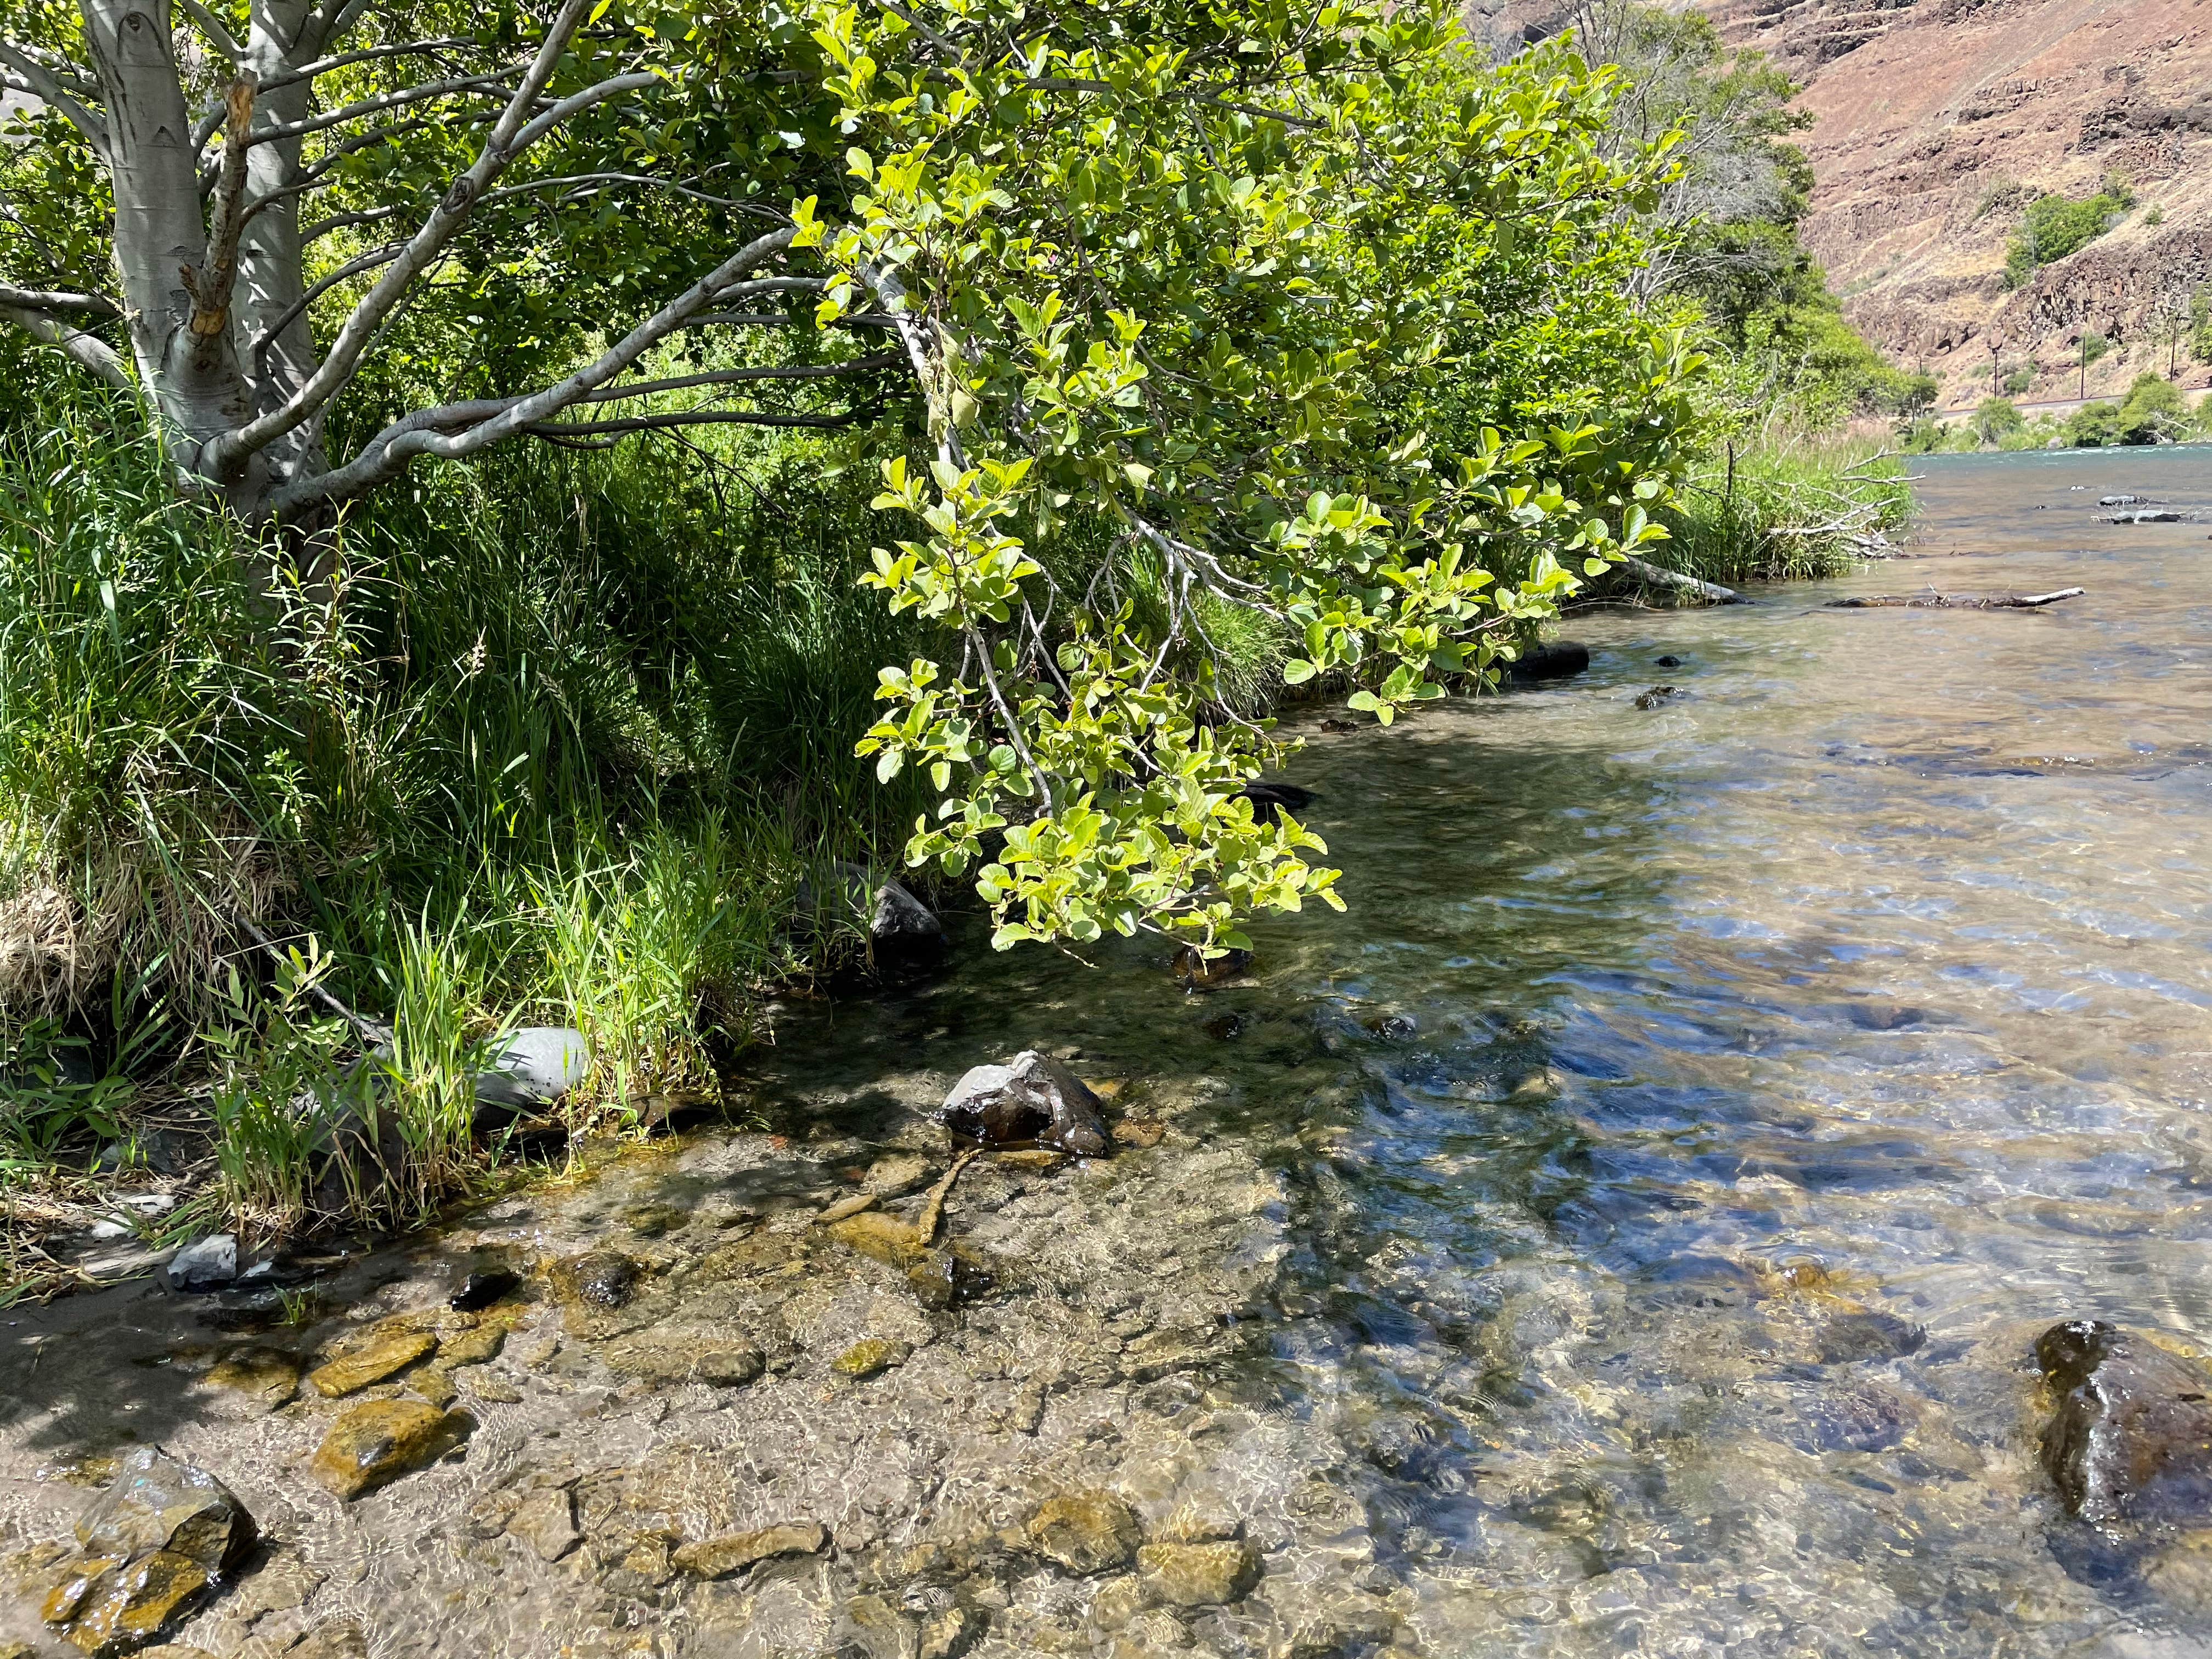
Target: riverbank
<point>1627,1231</point>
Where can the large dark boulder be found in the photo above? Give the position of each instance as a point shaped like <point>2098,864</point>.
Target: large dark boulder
<point>2132,1437</point>
<point>1031,1101</point>
<point>1270,800</point>
<point>1551,662</point>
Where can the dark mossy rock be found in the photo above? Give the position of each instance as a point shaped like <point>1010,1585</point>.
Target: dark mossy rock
<point>1270,800</point>
<point>2131,1439</point>
<point>1556,661</point>
<point>1032,1101</point>
<point>1199,972</point>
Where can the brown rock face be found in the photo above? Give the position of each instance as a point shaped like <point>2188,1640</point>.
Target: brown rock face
<point>2132,1437</point>
<point>1931,118</point>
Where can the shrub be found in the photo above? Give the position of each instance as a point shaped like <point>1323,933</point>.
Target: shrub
<point>1994,418</point>
<point>2054,227</point>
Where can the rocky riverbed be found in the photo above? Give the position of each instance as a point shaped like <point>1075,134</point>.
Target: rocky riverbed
<point>733,1405</point>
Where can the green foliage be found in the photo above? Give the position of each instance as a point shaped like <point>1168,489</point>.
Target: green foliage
<point>2094,346</point>
<point>2154,409</point>
<point>2094,426</point>
<point>1994,418</point>
<point>1807,508</point>
<point>2054,226</point>
<point>1406,255</point>
<point>2019,378</point>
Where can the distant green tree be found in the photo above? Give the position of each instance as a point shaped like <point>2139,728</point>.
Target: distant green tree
<point>2019,378</point>
<point>2200,326</point>
<point>1996,418</point>
<point>2094,426</point>
<point>2154,408</point>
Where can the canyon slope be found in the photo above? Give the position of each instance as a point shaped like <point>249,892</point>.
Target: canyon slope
<point>1934,121</point>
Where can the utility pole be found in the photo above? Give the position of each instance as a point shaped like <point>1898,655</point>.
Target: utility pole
<point>1996,345</point>
<point>2085,365</point>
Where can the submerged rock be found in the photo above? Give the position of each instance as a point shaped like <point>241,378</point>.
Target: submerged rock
<point>268,1375</point>
<point>1031,1101</point>
<point>871,1355</point>
<point>1086,1532</point>
<point>671,1353</point>
<point>1854,1336</point>
<point>1657,696</point>
<point>600,1279</point>
<point>209,1265</point>
<point>375,1443</point>
<point>2131,1439</point>
<point>537,1066</point>
<point>546,1522</point>
<point>480,1290</point>
<point>158,1539</point>
<point>1270,800</point>
<point>884,1237</point>
<point>1201,1575</point>
<point>1551,662</point>
<point>350,1373</point>
<point>718,1558</point>
<point>1199,972</point>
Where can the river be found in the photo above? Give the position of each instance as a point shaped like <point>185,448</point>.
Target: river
<point>1624,1233</point>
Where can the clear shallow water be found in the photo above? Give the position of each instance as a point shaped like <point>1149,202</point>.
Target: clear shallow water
<point>1871,975</point>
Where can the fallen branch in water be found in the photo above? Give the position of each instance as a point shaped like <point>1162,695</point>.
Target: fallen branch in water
<point>1934,601</point>
<point>1712,592</point>
<point>932,1209</point>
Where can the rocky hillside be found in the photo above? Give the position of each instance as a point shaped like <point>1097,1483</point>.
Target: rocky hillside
<point>1934,119</point>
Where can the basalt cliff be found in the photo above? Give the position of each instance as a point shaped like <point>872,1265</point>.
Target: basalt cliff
<point>1934,119</point>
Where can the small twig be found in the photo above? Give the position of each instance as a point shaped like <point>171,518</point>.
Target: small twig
<point>932,1208</point>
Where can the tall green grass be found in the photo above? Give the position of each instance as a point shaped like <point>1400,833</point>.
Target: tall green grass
<point>552,738</point>
<point>1797,508</point>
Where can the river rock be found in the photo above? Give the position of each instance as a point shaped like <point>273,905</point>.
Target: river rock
<point>898,923</point>
<point>1199,972</point>
<point>375,1443</point>
<point>864,1359</point>
<point>269,1377</point>
<point>546,1521</point>
<point>677,1352</point>
<point>1868,1335</point>
<point>1031,1100</point>
<point>1551,662</point>
<point>2131,1439</point>
<point>1086,1532</point>
<point>2119,501</point>
<point>882,1237</point>
<point>718,1558</point>
<point>1270,800</point>
<point>481,1289</point>
<point>352,1372</point>
<point>602,1280</point>
<point>162,1535</point>
<point>1201,1575</point>
<point>209,1265</point>
<point>536,1065</point>
<point>1657,696</point>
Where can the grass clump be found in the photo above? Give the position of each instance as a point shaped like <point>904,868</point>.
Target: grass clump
<point>550,741</point>
<point>1809,508</point>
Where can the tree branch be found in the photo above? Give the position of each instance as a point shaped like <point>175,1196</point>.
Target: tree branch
<point>323,66</point>
<point>558,429</point>
<point>339,221</point>
<point>420,94</point>
<point>223,40</point>
<point>478,425</point>
<point>86,351</point>
<point>369,261</point>
<point>513,133</point>
<point>210,283</point>
<point>29,299</point>
<point>43,82</point>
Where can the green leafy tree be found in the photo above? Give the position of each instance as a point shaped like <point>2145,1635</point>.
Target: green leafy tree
<point>2054,227</point>
<point>1996,419</point>
<point>2154,409</point>
<point>1161,323</point>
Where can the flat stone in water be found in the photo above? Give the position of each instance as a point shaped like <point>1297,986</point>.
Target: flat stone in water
<point>547,1522</point>
<point>126,1605</point>
<point>864,1359</point>
<point>718,1558</point>
<point>1088,1532</point>
<point>885,1238</point>
<point>1854,1336</point>
<point>268,1375</point>
<point>378,1441</point>
<point>677,1352</point>
<point>1201,1575</point>
<point>349,1373</point>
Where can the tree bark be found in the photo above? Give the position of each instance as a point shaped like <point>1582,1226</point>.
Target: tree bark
<point>271,269</point>
<point>193,380</point>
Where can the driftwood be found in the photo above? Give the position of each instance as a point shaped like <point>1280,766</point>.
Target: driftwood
<point>1712,592</point>
<point>1935,601</point>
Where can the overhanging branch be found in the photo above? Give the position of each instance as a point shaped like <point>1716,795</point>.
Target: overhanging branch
<point>86,351</point>
<point>514,133</point>
<point>43,82</point>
